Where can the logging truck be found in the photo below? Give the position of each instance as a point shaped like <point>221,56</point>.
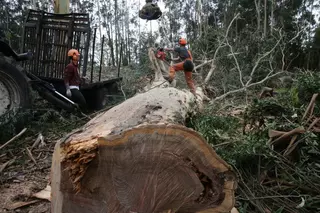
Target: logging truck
<point>46,39</point>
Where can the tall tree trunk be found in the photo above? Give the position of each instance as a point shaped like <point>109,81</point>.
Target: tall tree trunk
<point>272,17</point>
<point>110,43</point>
<point>99,18</point>
<point>199,19</point>
<point>8,30</point>
<point>116,29</point>
<point>127,33</point>
<point>258,3</point>
<point>265,19</point>
<point>139,157</point>
<point>225,15</point>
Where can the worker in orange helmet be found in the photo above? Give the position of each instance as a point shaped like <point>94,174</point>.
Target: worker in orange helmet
<point>72,79</point>
<point>185,64</point>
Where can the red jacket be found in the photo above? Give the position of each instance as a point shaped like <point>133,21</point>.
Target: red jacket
<point>161,55</point>
<point>71,75</point>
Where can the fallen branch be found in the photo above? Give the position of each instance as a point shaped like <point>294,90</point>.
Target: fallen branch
<point>21,204</point>
<point>217,50</point>
<point>275,133</point>
<point>259,59</point>
<point>310,106</point>
<point>124,94</point>
<point>315,129</point>
<point>246,87</point>
<point>38,141</point>
<point>14,138</point>
<point>237,63</point>
<point>8,163</point>
<point>291,146</point>
<point>204,63</point>
<point>295,131</point>
<point>31,157</point>
<point>313,124</point>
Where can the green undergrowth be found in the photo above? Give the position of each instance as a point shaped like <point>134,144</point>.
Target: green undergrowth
<point>268,179</point>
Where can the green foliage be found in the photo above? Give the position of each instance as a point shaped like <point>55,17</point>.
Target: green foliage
<point>270,112</point>
<point>265,107</point>
<point>213,128</point>
<point>307,84</point>
<point>289,97</point>
<point>263,171</point>
<point>242,153</point>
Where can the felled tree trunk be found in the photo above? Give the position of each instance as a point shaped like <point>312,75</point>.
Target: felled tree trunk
<point>140,157</point>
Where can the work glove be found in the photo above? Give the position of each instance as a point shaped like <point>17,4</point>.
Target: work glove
<point>69,93</point>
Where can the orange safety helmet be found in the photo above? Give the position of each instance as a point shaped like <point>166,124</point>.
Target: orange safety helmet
<point>182,41</point>
<point>73,52</point>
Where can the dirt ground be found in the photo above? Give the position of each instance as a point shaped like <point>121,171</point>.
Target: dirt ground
<point>23,176</point>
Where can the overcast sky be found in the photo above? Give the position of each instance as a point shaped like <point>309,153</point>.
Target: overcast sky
<point>145,26</point>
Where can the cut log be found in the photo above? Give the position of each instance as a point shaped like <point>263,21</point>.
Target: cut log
<point>284,137</point>
<point>311,106</point>
<point>140,157</point>
<point>275,133</point>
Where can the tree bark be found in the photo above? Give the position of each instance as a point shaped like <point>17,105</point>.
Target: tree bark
<point>258,3</point>
<point>140,157</point>
<point>110,44</point>
<point>116,30</point>
<point>272,17</point>
<point>265,19</point>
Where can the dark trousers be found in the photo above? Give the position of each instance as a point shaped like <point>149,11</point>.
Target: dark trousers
<point>78,98</point>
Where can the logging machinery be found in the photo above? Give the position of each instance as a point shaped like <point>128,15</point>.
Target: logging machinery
<point>46,39</point>
<point>15,82</point>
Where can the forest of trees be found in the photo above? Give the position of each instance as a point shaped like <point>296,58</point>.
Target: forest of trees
<point>253,28</point>
<point>238,46</point>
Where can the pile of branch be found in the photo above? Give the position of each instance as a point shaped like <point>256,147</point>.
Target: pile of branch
<point>310,123</point>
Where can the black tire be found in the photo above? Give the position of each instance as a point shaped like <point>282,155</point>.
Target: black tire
<point>14,87</point>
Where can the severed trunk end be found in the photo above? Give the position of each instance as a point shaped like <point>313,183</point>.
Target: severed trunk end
<point>148,168</point>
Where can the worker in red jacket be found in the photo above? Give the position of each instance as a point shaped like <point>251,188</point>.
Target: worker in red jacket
<point>185,63</point>
<point>72,79</point>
